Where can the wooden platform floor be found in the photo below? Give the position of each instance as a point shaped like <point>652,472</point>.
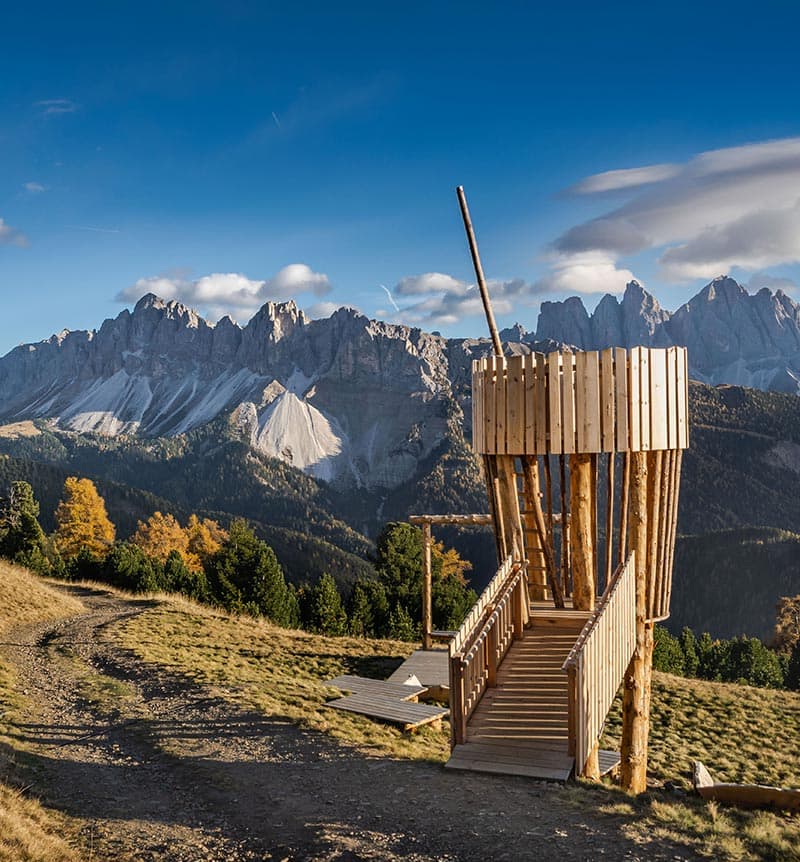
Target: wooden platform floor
<point>520,727</point>
<point>387,708</point>
<point>429,667</point>
<point>365,685</point>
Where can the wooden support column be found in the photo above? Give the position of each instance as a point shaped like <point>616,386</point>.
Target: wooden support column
<point>582,547</point>
<point>533,504</point>
<point>427,614</point>
<point>507,508</point>
<point>636,686</point>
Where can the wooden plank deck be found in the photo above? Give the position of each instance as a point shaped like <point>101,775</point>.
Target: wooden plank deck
<point>429,667</point>
<point>365,685</point>
<point>387,708</point>
<point>520,726</point>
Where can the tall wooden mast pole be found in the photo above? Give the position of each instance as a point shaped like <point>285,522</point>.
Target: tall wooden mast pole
<point>476,262</point>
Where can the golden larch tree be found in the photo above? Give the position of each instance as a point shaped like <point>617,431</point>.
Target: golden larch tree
<point>204,538</point>
<point>82,521</point>
<point>159,535</point>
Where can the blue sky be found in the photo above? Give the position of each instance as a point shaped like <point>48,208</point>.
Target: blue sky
<point>224,154</point>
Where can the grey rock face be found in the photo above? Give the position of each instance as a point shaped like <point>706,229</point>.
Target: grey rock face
<point>352,400</point>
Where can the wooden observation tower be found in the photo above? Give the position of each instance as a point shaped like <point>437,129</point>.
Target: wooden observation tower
<point>582,456</point>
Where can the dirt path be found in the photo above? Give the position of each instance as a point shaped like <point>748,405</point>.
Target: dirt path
<point>173,773</point>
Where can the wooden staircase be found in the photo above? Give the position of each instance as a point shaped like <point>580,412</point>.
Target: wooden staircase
<point>520,726</point>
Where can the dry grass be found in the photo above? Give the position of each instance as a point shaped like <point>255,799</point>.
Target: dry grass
<point>27,830</point>
<point>26,598</point>
<point>15,430</point>
<point>278,671</point>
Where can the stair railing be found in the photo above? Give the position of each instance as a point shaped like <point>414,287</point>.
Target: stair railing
<point>597,662</point>
<point>479,646</point>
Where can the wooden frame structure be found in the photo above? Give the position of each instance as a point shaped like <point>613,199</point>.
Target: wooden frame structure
<point>582,456</point>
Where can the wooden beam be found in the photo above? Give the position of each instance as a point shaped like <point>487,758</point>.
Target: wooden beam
<point>427,615</point>
<point>582,546</point>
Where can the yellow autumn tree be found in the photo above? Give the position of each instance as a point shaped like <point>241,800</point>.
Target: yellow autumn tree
<point>82,522</point>
<point>453,566</point>
<point>204,539</point>
<point>159,535</point>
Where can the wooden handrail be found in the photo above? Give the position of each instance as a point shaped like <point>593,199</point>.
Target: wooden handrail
<point>496,620</point>
<point>596,663</point>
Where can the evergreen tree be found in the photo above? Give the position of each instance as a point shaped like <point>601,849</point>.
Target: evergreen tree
<point>21,536</point>
<point>401,627</point>
<point>327,611</point>
<point>180,578</point>
<point>128,567</point>
<point>667,653</point>
<point>691,660</point>
<point>82,521</point>
<point>368,609</point>
<point>792,680</point>
<point>244,575</point>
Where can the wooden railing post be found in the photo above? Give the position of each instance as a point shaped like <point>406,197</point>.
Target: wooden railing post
<point>519,619</point>
<point>491,658</point>
<point>427,616</point>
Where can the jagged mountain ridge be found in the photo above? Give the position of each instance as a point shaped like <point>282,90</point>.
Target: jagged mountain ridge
<point>350,400</point>
<point>732,336</point>
<point>344,398</point>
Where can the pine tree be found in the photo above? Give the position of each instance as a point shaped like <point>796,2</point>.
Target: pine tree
<point>368,609</point>
<point>21,536</point>
<point>245,575</point>
<point>691,660</point>
<point>401,627</point>
<point>82,521</point>
<point>327,611</point>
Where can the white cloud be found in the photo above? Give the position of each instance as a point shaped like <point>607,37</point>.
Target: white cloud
<point>321,309</point>
<point>230,292</point>
<point>591,272</point>
<point>56,106</point>
<point>34,188</point>
<point>11,236</point>
<point>773,282</point>
<point>442,300</point>
<point>628,178</point>
<point>734,207</point>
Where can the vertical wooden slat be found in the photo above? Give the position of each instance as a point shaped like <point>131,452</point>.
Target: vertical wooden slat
<point>490,392</point>
<point>568,433</point>
<point>515,406</point>
<point>610,517</point>
<point>541,404</point>
<point>587,401</point>
<point>500,406</point>
<point>554,401</point>
<point>622,406</point>
<point>644,399</point>
<point>529,367</point>
<point>634,384</point>
<point>659,436</point>
<point>607,400</point>
<point>654,469</point>
<point>672,397</point>
<point>683,398</point>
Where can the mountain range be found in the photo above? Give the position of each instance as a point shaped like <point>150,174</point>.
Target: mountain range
<point>352,401</point>
<point>321,431</point>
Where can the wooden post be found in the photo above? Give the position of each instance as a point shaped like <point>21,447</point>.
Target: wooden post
<point>476,262</point>
<point>427,615</point>
<point>533,504</point>
<point>582,548</point>
<point>636,686</point>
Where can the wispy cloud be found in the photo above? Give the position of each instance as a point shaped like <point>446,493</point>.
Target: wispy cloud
<point>34,188</point>
<point>94,229</point>
<point>726,208</point>
<point>388,292</point>
<point>48,107</point>
<point>439,299</point>
<point>230,292</point>
<point>11,236</point>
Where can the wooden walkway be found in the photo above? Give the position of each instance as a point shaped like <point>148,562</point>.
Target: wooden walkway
<point>520,726</point>
<point>428,666</point>
<point>387,708</point>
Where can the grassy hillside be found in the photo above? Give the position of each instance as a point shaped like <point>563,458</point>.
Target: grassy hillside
<point>728,583</point>
<point>27,831</point>
<point>282,673</point>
